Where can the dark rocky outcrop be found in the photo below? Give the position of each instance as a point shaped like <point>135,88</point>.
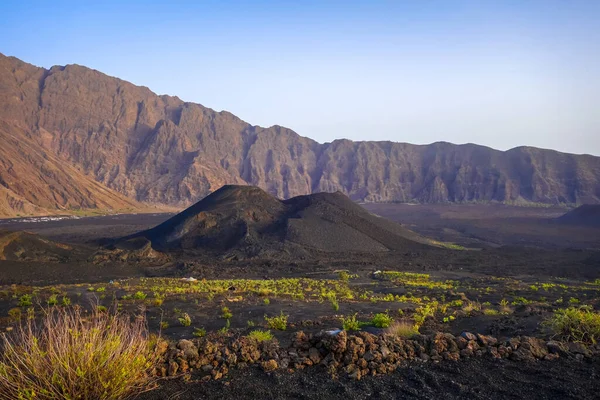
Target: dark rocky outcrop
<point>77,126</point>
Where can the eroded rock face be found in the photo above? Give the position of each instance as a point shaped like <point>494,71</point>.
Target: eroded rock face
<point>159,149</point>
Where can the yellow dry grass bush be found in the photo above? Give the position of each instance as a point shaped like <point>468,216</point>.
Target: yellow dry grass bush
<point>71,355</point>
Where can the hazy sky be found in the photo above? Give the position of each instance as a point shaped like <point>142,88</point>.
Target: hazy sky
<point>501,74</point>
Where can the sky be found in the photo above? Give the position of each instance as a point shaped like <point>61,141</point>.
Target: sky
<point>496,73</point>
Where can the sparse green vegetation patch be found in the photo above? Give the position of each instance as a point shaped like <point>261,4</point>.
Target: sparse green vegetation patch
<point>260,335</point>
<point>576,324</point>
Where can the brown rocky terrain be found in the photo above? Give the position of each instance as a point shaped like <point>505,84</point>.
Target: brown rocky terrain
<point>67,128</point>
<point>26,246</point>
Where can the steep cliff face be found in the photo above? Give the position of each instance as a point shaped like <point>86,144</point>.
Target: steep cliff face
<point>159,149</point>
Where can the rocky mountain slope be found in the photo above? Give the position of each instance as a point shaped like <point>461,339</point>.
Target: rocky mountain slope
<point>159,149</point>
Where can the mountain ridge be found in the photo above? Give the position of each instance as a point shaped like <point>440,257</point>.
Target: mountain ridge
<point>158,149</point>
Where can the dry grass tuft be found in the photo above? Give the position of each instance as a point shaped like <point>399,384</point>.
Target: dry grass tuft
<point>67,355</point>
<point>402,329</point>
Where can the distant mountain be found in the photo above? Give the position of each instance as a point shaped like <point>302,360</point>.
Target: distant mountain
<point>248,221</point>
<point>69,126</point>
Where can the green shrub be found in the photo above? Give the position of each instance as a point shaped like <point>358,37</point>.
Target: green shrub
<point>261,336</point>
<point>226,313</point>
<point>25,301</point>
<point>158,300</point>
<point>69,356</point>
<point>344,276</point>
<point>382,320</point>
<point>185,319</point>
<point>575,324</point>
<point>266,301</point>
<point>520,301</point>
<point>351,323</point>
<point>65,301</point>
<point>199,332</point>
<point>139,296</point>
<point>334,302</point>
<point>278,322</point>
<point>15,314</point>
<point>225,329</point>
<point>52,300</point>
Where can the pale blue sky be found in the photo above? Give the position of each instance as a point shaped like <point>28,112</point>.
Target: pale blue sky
<point>501,74</point>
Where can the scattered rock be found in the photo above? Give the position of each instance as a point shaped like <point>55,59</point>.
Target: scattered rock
<point>269,366</point>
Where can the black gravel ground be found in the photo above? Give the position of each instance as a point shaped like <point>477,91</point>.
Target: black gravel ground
<point>469,379</point>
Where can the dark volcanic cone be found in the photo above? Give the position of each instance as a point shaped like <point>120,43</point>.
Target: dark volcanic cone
<point>587,214</point>
<point>249,220</point>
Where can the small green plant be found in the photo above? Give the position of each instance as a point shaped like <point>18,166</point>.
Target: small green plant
<point>101,289</point>
<point>199,332</point>
<point>266,301</point>
<point>139,296</point>
<point>185,319</point>
<point>226,313</point>
<point>576,324</point>
<point>334,302</point>
<point>344,276</point>
<point>260,335</point>
<point>504,307</point>
<point>164,325</point>
<point>158,300</point>
<point>472,306</point>
<point>15,314</point>
<point>381,320</point>
<point>101,309</point>
<point>52,300</point>
<point>278,322</point>
<point>490,312</point>
<point>449,318</point>
<point>25,301</point>
<point>520,301</point>
<point>351,323</point>
<point>225,329</point>
<point>250,324</point>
